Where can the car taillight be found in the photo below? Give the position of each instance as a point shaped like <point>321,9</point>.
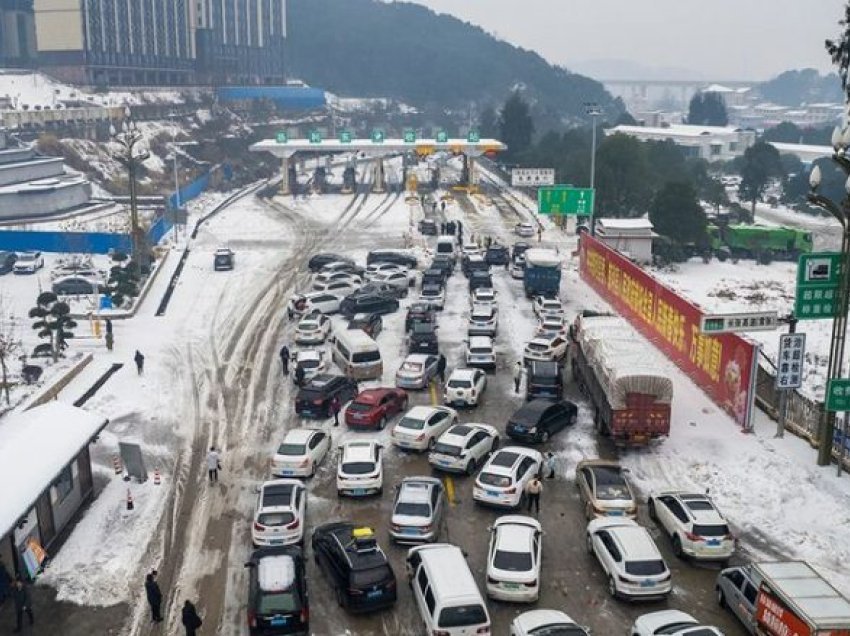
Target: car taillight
<point>511,490</point>
<point>624,579</point>
<point>355,592</point>
<point>305,614</point>
<point>473,393</point>
<point>483,630</point>
<point>425,528</point>
<point>317,402</point>
<point>531,584</point>
<point>294,524</point>
<point>252,619</point>
<point>729,537</point>
<point>305,461</point>
<point>391,585</point>
<point>693,537</point>
<point>440,632</point>
<point>666,578</point>
<point>420,437</point>
<point>490,579</point>
<point>395,527</point>
<point>259,527</point>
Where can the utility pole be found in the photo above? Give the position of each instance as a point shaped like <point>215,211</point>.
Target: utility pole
<point>592,109</point>
<point>129,137</point>
<point>176,179</point>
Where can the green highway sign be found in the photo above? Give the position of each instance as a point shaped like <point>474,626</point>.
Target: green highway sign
<point>818,276</point>
<point>315,137</point>
<point>442,137</point>
<point>733,323</point>
<point>282,137</point>
<point>345,137</point>
<point>377,136</point>
<point>838,395</point>
<point>473,137</point>
<point>561,199</point>
<point>409,136</point>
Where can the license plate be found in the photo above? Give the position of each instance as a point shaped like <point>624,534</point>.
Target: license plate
<point>647,583</point>
<point>510,586</point>
<point>275,541</point>
<point>409,531</point>
<point>713,543</point>
<point>287,473</point>
<point>278,622</point>
<point>444,462</point>
<point>374,594</point>
<point>492,493</point>
<point>519,429</point>
<point>358,491</point>
<point>615,513</point>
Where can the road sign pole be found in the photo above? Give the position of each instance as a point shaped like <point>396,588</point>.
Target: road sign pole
<point>783,393</point>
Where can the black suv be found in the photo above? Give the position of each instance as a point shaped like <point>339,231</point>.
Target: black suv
<point>318,261</point>
<point>277,592</point>
<point>355,566</point>
<point>7,261</point>
<point>367,304</point>
<point>428,227</point>
<point>497,255</point>
<point>545,380</point>
<point>474,264</point>
<point>479,279</point>
<point>423,338</point>
<point>536,421</point>
<point>392,256</point>
<point>418,312</point>
<point>445,262</point>
<point>371,324</point>
<point>314,398</point>
<point>381,289</point>
<point>434,276</point>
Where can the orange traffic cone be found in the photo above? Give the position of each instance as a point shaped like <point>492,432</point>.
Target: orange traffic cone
<point>116,465</point>
<point>156,477</point>
<point>129,500</point>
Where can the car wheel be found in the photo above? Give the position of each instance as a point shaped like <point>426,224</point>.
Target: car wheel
<point>589,544</point>
<point>340,597</point>
<point>431,443</point>
<point>382,423</point>
<point>677,547</point>
<point>495,446</point>
<point>544,437</point>
<point>650,505</point>
<point>612,587</point>
<point>588,510</point>
<point>721,598</point>
<point>471,465</point>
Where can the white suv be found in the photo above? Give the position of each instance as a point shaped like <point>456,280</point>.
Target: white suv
<point>483,320</point>
<point>419,428</point>
<point>301,451</point>
<point>504,477</point>
<point>465,386</point>
<point>629,558</point>
<point>480,352</point>
<point>360,471</point>
<point>464,447</point>
<point>695,527</point>
<point>547,307</point>
<point>279,514</point>
<point>513,561</point>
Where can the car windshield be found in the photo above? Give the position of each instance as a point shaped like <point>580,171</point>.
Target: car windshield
<point>291,449</point>
<point>222,258</point>
<point>310,363</point>
<point>366,356</point>
<point>462,615</point>
<point>430,291</point>
<point>558,629</point>
<point>412,367</point>
<point>362,578</point>
<point>409,422</point>
<point>610,484</point>
<point>308,325</point>
<point>413,509</point>
<point>480,350</point>
<point>358,468</point>
<point>23,258</point>
<point>490,479</point>
<point>537,346</point>
<point>275,518</point>
<point>423,328</point>
<point>459,384</point>
<point>361,408</point>
<point>645,568</point>
<point>720,530</point>
<point>512,561</point>
<point>447,449</point>
<point>279,603</point>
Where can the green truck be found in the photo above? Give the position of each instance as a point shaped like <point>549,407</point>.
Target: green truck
<point>762,243</point>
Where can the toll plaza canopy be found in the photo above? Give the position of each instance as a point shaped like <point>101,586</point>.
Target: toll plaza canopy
<point>286,149</point>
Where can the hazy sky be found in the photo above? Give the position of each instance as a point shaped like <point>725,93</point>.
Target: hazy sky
<point>721,39</point>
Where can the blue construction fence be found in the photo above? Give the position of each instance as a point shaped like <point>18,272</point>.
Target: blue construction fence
<point>217,174</point>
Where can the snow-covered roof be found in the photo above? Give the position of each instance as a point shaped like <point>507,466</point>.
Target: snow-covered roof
<point>676,130</point>
<point>625,224</point>
<point>718,88</point>
<point>276,573</point>
<point>35,446</point>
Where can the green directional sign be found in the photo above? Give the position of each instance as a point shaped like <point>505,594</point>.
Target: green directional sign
<point>315,137</point>
<point>442,137</point>
<point>377,136</point>
<point>409,136</point>
<point>838,395</point>
<point>345,137</point>
<point>565,200</point>
<point>282,137</point>
<point>818,277</point>
<point>473,137</point>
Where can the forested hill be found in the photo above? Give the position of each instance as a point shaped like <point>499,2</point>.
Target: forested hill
<point>366,48</point>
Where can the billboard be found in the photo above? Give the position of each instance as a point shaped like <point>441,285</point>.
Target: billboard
<point>776,619</point>
<point>523,177</point>
<point>721,365</point>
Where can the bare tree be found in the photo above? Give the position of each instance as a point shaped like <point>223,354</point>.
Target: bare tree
<point>9,345</point>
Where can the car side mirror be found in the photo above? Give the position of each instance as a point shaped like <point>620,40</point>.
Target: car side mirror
<point>250,564</point>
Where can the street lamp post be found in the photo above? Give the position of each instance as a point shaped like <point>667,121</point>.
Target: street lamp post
<point>594,111</point>
<point>841,211</point>
<point>129,138</point>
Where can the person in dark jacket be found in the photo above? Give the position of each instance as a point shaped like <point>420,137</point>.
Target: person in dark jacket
<point>23,603</point>
<point>191,621</point>
<point>139,359</point>
<point>5,583</point>
<point>154,595</point>
<point>441,368</point>
<point>299,375</point>
<point>335,407</point>
<point>284,359</point>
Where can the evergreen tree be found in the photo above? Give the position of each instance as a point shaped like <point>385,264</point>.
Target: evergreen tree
<point>707,109</point>
<point>488,123</point>
<point>676,214</point>
<point>515,125</point>
<point>53,321</point>
<point>123,283</point>
<point>759,166</point>
<point>623,177</point>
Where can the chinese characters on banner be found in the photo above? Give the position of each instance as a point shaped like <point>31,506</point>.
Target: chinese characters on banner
<point>721,365</point>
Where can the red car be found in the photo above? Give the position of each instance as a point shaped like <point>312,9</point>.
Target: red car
<point>373,407</point>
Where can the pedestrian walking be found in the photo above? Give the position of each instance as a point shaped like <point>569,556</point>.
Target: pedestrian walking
<point>23,603</point>
<point>109,340</point>
<point>335,407</point>
<point>550,465</point>
<point>434,207</point>
<point>284,359</point>
<point>519,373</point>
<point>213,464</point>
<point>191,621</point>
<point>533,490</point>
<point>5,583</point>
<point>441,368</point>
<point>442,228</point>
<point>108,326</point>
<point>443,206</point>
<point>539,234</point>
<point>139,359</point>
<point>154,595</point>
<point>299,375</point>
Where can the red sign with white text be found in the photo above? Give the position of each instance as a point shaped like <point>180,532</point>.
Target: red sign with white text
<point>721,365</point>
<point>776,619</point>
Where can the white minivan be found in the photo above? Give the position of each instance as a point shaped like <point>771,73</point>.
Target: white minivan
<point>357,355</point>
<point>447,246</point>
<point>445,592</point>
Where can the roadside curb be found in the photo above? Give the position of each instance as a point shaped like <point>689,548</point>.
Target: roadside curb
<point>51,392</point>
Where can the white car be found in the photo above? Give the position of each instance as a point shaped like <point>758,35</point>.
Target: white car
<point>338,266</point>
<point>513,560</point>
<point>547,307</point>
<point>337,287</point>
<point>360,471</point>
<point>482,295</point>
<point>28,263</point>
<point>694,525</point>
<point>305,304</point>
<point>418,510</point>
<point>322,278</point>
<point>518,268</point>
<point>671,623</point>
<point>373,270</point>
<point>524,229</point>
<point>545,349</point>
<point>313,329</point>
<point>483,320</point>
<point>464,447</point>
<point>552,326</point>
<point>399,279</point>
<point>480,352</point>
<point>434,295</point>
<point>465,386</point>
<point>470,249</point>
<point>629,558</point>
<point>503,478</point>
<point>312,361</point>
<point>542,622</point>
<point>419,428</point>
<point>279,513</point>
<point>301,451</point>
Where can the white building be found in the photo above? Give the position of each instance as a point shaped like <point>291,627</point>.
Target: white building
<point>631,237</point>
<point>807,153</point>
<point>713,143</point>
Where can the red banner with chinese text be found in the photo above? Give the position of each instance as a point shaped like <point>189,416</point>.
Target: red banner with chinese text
<point>721,365</point>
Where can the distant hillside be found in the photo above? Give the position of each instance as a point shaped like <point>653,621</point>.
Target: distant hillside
<point>793,88</point>
<point>405,51</point>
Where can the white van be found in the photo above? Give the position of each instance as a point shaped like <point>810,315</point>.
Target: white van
<point>449,602</point>
<point>447,245</point>
<point>357,355</point>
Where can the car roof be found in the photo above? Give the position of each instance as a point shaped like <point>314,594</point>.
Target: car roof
<point>532,409</point>
<point>276,572</point>
<point>341,532</point>
<point>636,541</point>
<point>358,450</point>
<point>447,578</point>
<point>480,341</point>
<point>421,412</point>
<point>701,508</point>
<point>363,315</point>
<point>322,380</point>
<point>371,396</point>
<point>299,435</point>
<point>498,462</point>
<point>278,493</point>
<point>418,357</point>
<point>417,489</point>
<point>463,374</point>
<point>513,535</point>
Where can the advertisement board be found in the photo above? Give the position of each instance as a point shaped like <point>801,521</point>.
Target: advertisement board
<point>721,365</point>
<point>776,619</point>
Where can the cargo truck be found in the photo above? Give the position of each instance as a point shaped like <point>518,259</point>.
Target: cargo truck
<point>783,599</point>
<point>542,272</point>
<point>615,370</point>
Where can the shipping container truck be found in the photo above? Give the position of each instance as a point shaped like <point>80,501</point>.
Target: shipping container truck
<point>542,272</point>
<point>621,375</point>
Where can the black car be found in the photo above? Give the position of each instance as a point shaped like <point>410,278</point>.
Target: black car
<point>371,324</point>
<point>479,279</point>
<point>392,256</point>
<point>355,565</point>
<point>428,227</point>
<point>434,276</point>
<point>314,398</point>
<point>497,255</point>
<point>7,261</point>
<point>367,304</point>
<point>381,289</point>
<point>518,249</point>
<point>318,261</point>
<point>445,262</point>
<point>536,421</point>
<point>223,259</point>
<point>418,312</point>
<point>277,592</point>
<point>474,263</point>
<point>423,338</point>
<point>545,380</point>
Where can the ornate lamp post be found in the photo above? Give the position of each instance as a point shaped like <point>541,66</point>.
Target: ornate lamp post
<point>132,153</point>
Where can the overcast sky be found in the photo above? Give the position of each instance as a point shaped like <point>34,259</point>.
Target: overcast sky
<point>719,39</point>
